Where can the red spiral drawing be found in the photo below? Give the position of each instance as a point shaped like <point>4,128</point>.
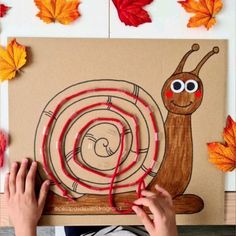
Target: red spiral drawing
<point>105,131</point>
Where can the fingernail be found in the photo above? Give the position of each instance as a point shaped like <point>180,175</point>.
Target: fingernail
<point>48,182</point>
<point>25,161</point>
<point>34,163</point>
<point>14,164</point>
<point>157,187</point>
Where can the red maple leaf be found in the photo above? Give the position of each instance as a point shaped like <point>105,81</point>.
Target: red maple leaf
<point>3,145</point>
<point>131,12</point>
<point>3,10</point>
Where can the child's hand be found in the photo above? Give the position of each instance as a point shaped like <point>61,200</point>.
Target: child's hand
<point>24,208</point>
<point>161,206</point>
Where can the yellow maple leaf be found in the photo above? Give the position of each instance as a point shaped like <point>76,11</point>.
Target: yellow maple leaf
<point>63,11</point>
<point>224,155</point>
<point>11,60</point>
<point>204,10</point>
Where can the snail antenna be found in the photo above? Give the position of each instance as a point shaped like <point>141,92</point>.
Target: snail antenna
<point>179,69</point>
<point>215,50</point>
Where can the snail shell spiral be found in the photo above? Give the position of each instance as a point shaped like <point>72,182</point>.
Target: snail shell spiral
<point>86,128</point>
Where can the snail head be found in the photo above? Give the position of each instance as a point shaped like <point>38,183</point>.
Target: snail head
<point>182,93</point>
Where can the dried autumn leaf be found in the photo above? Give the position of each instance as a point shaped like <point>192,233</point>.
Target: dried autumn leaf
<point>224,155</point>
<point>3,145</point>
<point>63,11</point>
<point>3,10</point>
<point>11,60</point>
<point>131,12</point>
<point>204,10</point>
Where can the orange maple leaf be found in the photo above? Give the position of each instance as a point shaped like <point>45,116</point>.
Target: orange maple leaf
<point>63,11</point>
<point>224,155</point>
<point>205,12</point>
<point>11,60</point>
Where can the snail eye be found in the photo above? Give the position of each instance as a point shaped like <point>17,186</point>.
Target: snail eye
<point>191,86</point>
<point>177,86</point>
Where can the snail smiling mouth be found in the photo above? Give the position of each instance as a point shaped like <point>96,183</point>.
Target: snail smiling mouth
<point>181,105</point>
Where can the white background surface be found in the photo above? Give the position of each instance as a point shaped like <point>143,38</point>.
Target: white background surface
<point>97,21</point>
<point>59,231</point>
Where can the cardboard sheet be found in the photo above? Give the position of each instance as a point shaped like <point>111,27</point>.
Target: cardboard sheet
<point>80,104</point>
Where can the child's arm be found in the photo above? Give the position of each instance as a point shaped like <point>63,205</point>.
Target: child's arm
<point>161,206</point>
<point>24,208</point>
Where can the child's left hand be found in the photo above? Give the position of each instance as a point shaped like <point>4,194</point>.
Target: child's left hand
<point>24,208</point>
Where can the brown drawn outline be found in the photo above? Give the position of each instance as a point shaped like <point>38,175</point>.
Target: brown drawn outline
<point>176,169</point>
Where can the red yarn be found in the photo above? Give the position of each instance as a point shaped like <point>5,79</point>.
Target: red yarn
<point>3,146</point>
<point>140,182</point>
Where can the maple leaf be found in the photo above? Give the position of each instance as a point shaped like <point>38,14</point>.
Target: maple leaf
<point>11,60</point>
<point>224,155</point>
<point>3,145</point>
<point>3,10</point>
<point>205,12</point>
<point>63,11</point>
<point>131,12</point>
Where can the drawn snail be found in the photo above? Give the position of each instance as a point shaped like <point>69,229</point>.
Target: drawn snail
<point>101,137</point>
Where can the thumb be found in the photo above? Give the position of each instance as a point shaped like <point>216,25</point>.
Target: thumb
<point>43,194</point>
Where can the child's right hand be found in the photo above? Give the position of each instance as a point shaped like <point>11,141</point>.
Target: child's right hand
<point>161,206</point>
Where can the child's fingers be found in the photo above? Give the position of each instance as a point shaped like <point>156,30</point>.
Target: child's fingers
<point>12,178</point>
<point>6,187</point>
<point>147,193</point>
<point>152,204</point>
<point>163,203</point>
<point>147,222</point>
<point>164,193</point>
<point>20,178</point>
<point>162,198</point>
<point>43,194</point>
<point>30,179</point>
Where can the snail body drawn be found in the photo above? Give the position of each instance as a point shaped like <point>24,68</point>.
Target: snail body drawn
<point>112,136</point>
<point>182,94</point>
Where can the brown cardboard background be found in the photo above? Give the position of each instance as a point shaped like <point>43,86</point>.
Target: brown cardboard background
<point>57,63</point>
